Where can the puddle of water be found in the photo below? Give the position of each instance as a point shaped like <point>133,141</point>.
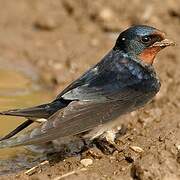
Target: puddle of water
<point>17,90</point>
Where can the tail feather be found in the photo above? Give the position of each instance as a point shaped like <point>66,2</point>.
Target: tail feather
<point>27,138</point>
<point>31,137</point>
<point>34,136</point>
<point>42,111</point>
<point>17,129</point>
<point>14,142</point>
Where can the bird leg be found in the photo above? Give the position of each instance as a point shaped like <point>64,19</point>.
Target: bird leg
<point>107,141</point>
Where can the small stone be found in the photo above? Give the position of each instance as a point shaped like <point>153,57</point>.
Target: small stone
<point>110,135</point>
<point>177,146</point>
<point>86,162</point>
<point>47,24</point>
<point>137,149</point>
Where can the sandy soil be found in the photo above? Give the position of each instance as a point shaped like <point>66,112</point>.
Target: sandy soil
<point>62,39</point>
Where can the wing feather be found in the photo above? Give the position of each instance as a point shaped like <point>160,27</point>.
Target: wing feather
<point>78,117</point>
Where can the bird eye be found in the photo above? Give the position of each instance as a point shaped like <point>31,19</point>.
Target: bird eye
<point>146,39</point>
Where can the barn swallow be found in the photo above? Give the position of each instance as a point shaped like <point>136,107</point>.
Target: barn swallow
<point>123,81</point>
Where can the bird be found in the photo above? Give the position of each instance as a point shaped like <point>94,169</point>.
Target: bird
<point>123,81</point>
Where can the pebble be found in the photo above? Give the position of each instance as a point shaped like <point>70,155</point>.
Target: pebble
<point>177,146</point>
<point>137,149</point>
<point>86,162</point>
<point>46,24</point>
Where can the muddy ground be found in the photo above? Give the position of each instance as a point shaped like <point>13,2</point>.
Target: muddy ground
<point>62,38</point>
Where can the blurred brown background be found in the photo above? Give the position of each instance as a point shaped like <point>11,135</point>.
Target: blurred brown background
<point>54,41</point>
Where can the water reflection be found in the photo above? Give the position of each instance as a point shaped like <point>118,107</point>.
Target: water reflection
<point>17,90</point>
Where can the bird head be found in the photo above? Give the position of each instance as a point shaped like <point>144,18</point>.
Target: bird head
<point>142,41</point>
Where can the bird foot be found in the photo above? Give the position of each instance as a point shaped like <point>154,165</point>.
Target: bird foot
<point>105,146</point>
<point>107,141</point>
